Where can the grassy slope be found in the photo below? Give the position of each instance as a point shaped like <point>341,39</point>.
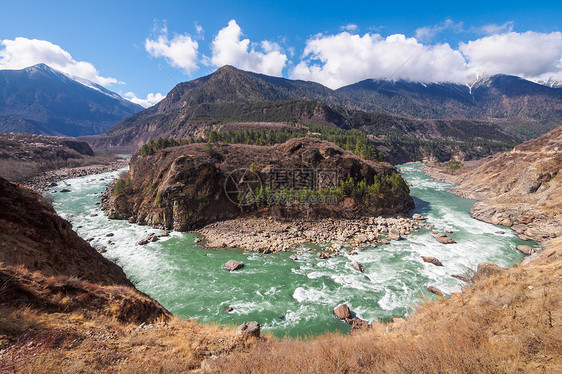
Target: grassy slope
<point>502,324</point>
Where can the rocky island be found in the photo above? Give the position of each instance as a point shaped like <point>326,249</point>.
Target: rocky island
<point>187,187</point>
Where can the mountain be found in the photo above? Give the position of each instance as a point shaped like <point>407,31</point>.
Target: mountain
<point>520,107</point>
<point>42,100</point>
<point>521,188</point>
<point>191,109</point>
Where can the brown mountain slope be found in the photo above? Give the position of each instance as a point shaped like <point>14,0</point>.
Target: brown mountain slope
<point>34,236</point>
<point>521,188</point>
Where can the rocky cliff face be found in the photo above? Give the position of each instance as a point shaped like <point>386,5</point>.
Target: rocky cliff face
<point>32,235</point>
<point>521,188</point>
<point>185,187</point>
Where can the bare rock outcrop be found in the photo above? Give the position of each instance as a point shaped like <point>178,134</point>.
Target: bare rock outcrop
<point>486,269</point>
<point>249,329</point>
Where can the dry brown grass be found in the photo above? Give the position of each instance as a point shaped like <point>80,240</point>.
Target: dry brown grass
<point>71,343</point>
<point>503,324</point>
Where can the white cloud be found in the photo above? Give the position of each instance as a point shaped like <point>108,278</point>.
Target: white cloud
<point>532,55</point>
<point>229,49</point>
<point>22,52</point>
<point>151,99</point>
<point>429,32</point>
<point>344,58</point>
<point>180,51</point>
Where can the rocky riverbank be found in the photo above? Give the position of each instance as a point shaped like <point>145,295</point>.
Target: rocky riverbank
<point>521,189</point>
<point>50,178</point>
<point>268,235</point>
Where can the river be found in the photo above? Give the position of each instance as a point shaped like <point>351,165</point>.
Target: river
<point>287,297</point>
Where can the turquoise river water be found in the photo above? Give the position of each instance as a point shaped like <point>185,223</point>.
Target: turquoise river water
<point>293,297</point>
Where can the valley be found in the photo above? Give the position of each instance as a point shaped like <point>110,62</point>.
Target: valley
<point>295,296</point>
<point>301,214</point>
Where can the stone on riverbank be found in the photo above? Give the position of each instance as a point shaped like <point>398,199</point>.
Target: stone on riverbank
<point>249,329</point>
<point>525,249</point>
<point>342,312</point>
<point>435,290</point>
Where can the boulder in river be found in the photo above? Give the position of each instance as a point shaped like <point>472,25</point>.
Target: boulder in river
<point>444,239</point>
<point>323,255</point>
<point>357,266</point>
<point>293,257</point>
<point>435,290</point>
<point>248,329</point>
<point>418,217</point>
<point>143,242</point>
<point>232,265</point>
<point>432,260</point>
<point>342,312</point>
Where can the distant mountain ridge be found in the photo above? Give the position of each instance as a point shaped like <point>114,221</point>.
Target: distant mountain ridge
<point>521,107</point>
<point>42,100</point>
<point>427,111</point>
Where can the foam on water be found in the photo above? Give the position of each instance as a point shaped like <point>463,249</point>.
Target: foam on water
<point>286,296</point>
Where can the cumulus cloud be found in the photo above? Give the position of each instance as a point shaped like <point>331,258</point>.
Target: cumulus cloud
<point>344,58</point>
<point>180,51</point>
<point>22,52</point>
<point>429,32</point>
<point>532,55</point>
<point>151,99</point>
<point>228,48</point>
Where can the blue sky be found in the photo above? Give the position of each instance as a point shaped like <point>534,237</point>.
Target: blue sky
<point>144,48</point>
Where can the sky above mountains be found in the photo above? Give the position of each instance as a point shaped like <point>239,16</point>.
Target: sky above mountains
<point>141,50</point>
